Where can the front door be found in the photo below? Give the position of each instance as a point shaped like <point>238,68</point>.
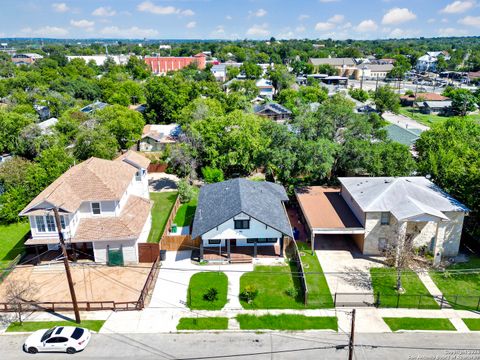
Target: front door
<point>233,242</point>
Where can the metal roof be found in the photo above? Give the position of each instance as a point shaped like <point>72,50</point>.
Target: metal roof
<point>218,203</point>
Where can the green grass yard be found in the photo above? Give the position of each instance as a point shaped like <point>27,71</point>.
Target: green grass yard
<point>407,323</point>
<point>208,323</point>
<point>162,206</point>
<point>384,281</point>
<point>186,211</point>
<point>472,324</point>
<point>429,120</point>
<point>31,326</point>
<point>199,285</point>
<point>318,292</point>
<point>11,241</point>
<point>287,322</point>
<point>466,286</point>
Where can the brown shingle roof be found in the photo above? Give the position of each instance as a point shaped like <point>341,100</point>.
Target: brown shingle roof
<point>92,180</point>
<point>127,226</point>
<point>134,157</point>
<point>425,97</point>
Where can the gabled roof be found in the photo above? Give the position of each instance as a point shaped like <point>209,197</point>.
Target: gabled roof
<point>401,135</point>
<point>274,107</point>
<point>332,61</point>
<point>217,203</point>
<point>92,180</point>
<point>97,105</point>
<point>404,197</point>
<point>135,159</point>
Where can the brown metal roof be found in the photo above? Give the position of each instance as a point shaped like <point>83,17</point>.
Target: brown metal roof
<point>324,208</point>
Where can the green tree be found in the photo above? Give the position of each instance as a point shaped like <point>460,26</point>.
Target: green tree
<point>251,70</point>
<point>98,142</point>
<point>463,101</point>
<point>359,94</point>
<point>280,76</point>
<point>11,125</point>
<point>212,175</point>
<point>386,99</point>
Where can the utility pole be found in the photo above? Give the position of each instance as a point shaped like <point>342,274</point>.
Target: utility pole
<point>67,266</point>
<point>352,334</point>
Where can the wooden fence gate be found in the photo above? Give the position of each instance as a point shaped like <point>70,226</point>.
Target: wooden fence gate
<point>148,252</point>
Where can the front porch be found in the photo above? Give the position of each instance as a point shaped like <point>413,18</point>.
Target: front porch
<point>241,254</point>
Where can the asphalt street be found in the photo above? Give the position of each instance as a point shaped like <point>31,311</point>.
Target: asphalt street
<point>263,346</point>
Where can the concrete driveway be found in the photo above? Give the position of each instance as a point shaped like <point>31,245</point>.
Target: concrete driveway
<point>160,182</point>
<point>346,269</point>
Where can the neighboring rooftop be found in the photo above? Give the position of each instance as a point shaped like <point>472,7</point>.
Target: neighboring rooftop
<point>97,105</point>
<point>162,133</point>
<point>425,97</point>
<point>404,197</point>
<point>261,200</point>
<point>47,124</point>
<point>274,107</point>
<point>333,61</point>
<point>401,135</point>
<point>135,159</point>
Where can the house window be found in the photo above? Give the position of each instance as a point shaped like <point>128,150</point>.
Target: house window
<point>96,208</point>
<point>51,223</point>
<point>138,175</point>
<point>262,240</point>
<point>40,223</point>
<point>271,240</point>
<point>242,224</point>
<point>62,222</point>
<point>385,218</point>
<point>214,242</point>
<point>251,241</point>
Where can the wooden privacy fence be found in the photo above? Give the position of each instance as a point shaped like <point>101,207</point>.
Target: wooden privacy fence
<point>156,168</point>
<point>172,215</point>
<point>294,254</point>
<point>152,275</point>
<point>179,242</point>
<point>148,252</point>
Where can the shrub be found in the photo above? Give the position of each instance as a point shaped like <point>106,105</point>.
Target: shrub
<point>249,293</point>
<point>359,94</point>
<point>212,175</point>
<point>292,292</point>
<point>185,191</point>
<point>211,295</point>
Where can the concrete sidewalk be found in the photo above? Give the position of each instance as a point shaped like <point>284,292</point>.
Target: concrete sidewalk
<point>403,121</point>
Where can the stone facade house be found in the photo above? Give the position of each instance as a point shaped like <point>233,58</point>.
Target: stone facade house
<point>104,206</point>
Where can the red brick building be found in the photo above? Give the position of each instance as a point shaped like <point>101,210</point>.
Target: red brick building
<point>162,65</point>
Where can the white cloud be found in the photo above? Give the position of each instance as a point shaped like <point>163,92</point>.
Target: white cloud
<point>228,17</point>
<point>60,7</point>
<point>470,21</point>
<point>104,11</point>
<point>82,23</point>
<point>258,30</point>
<point>300,29</point>
<point>191,24</point>
<point>402,33</point>
<point>336,19</point>
<point>150,7</point>
<point>458,7</point>
<point>366,26</point>
<point>303,17</point>
<point>129,33</point>
<point>398,16</point>
<point>258,13</point>
<point>324,26</point>
<point>47,31</point>
<point>450,31</point>
<point>219,31</point>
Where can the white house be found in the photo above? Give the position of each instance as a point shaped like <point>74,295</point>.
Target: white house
<point>265,88</point>
<point>428,62</point>
<point>104,206</point>
<point>377,211</point>
<point>241,213</point>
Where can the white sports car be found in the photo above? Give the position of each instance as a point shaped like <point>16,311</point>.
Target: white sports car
<point>67,339</point>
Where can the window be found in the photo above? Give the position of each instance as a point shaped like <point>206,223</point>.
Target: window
<point>96,208</point>
<point>385,218</point>
<point>138,175</point>
<point>272,240</point>
<point>62,222</point>
<point>40,223</point>
<point>251,241</point>
<point>77,333</point>
<point>59,330</point>
<point>242,224</point>
<point>262,240</point>
<point>214,242</point>
<point>51,223</point>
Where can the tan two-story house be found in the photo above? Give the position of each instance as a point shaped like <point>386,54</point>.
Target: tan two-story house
<point>104,206</point>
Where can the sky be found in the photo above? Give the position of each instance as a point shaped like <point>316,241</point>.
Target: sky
<point>239,19</point>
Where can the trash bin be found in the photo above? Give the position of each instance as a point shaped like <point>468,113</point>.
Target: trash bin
<point>163,255</point>
<point>173,229</point>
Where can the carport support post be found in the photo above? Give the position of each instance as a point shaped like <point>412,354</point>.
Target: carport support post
<point>67,266</point>
<point>201,249</point>
<point>228,249</point>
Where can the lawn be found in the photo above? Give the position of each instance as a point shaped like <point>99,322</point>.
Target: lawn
<point>30,326</point>
<point>208,323</point>
<point>186,211</point>
<point>12,238</point>
<point>162,206</point>
<point>466,286</point>
<point>318,292</point>
<point>200,283</point>
<point>428,120</point>
<point>472,324</point>
<point>273,283</point>
<point>384,281</point>
<point>407,323</point>
<point>287,322</point>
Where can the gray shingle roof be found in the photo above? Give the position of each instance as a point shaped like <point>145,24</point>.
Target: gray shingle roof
<point>276,108</point>
<point>401,135</point>
<point>217,203</point>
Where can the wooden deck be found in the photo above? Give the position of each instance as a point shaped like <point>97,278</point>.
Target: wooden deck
<point>240,254</point>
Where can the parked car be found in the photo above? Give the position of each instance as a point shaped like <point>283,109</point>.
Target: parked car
<point>67,339</point>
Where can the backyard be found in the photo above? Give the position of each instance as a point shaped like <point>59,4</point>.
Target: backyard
<point>428,120</point>
<point>162,206</point>
<point>11,241</point>
<point>416,294</point>
<point>186,212</point>
<point>200,295</point>
<point>462,291</point>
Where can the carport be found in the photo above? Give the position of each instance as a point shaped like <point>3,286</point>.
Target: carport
<point>326,213</point>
